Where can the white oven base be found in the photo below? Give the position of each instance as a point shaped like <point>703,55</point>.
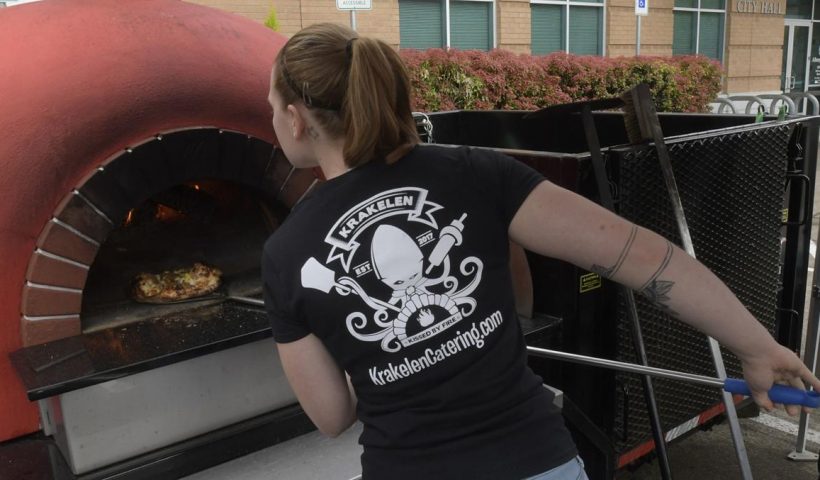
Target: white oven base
<point>109,422</point>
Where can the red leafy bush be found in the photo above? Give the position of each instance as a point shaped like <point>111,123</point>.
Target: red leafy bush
<point>475,80</point>
<point>501,80</point>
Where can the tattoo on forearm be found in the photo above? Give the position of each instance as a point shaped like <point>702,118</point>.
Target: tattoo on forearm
<point>609,272</point>
<point>657,291</point>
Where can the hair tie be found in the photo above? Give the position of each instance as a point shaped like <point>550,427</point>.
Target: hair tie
<point>349,48</point>
<point>307,99</point>
<point>289,80</point>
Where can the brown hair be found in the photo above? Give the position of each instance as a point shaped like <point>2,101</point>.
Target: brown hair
<point>356,87</point>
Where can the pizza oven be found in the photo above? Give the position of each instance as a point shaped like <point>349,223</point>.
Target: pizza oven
<point>201,195</point>
<point>137,139</point>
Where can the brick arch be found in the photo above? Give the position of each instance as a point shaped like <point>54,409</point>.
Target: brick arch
<point>68,244</point>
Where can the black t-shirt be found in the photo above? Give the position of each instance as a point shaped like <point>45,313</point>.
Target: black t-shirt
<point>403,272</point>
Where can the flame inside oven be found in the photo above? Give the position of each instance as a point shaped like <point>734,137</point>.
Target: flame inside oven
<point>168,214</point>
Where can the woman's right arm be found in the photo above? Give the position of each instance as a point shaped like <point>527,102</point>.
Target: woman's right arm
<point>558,223</point>
<point>320,385</point>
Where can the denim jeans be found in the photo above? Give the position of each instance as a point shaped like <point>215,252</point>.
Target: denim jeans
<point>572,470</point>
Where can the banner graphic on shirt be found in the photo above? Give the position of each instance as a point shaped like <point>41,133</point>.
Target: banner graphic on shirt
<point>427,297</point>
<point>410,201</point>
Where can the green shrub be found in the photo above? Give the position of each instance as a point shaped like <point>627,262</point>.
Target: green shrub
<point>272,21</point>
<point>474,80</point>
<point>501,80</point>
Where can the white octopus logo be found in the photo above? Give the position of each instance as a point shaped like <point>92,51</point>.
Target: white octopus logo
<point>420,306</point>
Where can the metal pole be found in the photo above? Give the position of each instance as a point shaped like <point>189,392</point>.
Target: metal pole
<point>813,330</point>
<point>638,37</point>
<point>641,93</point>
<point>810,359</point>
<point>637,337</point>
<point>353,19</point>
<point>626,367</point>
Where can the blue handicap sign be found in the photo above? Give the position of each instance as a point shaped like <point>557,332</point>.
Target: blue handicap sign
<point>641,3</point>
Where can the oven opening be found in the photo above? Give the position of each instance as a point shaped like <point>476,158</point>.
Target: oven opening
<point>217,223</point>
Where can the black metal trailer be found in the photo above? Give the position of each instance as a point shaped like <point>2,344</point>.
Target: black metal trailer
<point>747,190</point>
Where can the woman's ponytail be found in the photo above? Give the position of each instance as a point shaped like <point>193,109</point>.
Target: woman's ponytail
<point>377,115</point>
<point>356,87</point>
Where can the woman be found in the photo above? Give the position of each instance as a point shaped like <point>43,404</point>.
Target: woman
<point>391,279</point>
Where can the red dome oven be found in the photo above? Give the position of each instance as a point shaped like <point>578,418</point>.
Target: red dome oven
<point>136,138</point>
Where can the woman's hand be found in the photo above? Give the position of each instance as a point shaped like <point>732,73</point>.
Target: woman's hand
<point>776,364</point>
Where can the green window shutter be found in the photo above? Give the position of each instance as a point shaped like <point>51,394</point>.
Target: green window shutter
<point>547,24</point>
<point>471,25</point>
<point>798,9</point>
<point>421,24</point>
<point>711,35</point>
<point>585,25</point>
<point>683,33</point>
<point>717,5</point>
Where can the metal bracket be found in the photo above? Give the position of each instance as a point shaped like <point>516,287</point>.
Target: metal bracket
<point>804,180</point>
<point>422,120</point>
<point>802,456</point>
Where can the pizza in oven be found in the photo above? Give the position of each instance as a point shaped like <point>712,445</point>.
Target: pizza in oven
<point>178,284</point>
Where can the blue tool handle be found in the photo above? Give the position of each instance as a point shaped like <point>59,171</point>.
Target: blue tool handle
<point>778,394</point>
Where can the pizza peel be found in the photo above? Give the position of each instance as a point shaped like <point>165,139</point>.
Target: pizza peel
<point>244,288</point>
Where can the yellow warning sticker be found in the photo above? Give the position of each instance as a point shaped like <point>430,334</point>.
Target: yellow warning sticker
<point>784,215</point>
<point>590,281</point>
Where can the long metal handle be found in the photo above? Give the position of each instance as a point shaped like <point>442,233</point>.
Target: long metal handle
<point>258,302</point>
<point>626,367</point>
<point>778,393</point>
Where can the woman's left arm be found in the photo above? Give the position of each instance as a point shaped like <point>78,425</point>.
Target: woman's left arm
<point>558,223</point>
<point>322,388</point>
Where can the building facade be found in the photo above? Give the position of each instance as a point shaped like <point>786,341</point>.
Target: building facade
<point>765,46</point>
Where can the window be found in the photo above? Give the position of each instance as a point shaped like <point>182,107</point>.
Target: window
<point>799,9</point>
<point>698,27</point>
<point>462,24</point>
<point>574,26</point>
